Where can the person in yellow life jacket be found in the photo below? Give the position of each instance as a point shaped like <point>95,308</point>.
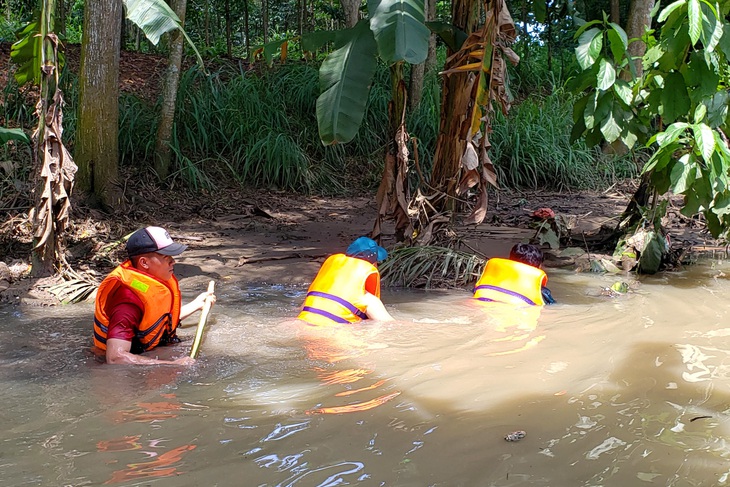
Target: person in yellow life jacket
<point>517,280</point>
<point>347,287</point>
<point>138,305</point>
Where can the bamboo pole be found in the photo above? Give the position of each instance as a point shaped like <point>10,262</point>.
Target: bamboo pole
<point>203,319</point>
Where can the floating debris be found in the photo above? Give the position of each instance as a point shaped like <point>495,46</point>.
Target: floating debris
<point>515,436</point>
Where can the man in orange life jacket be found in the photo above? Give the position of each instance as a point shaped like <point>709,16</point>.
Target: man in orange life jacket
<point>518,280</point>
<point>347,287</point>
<point>138,305</point>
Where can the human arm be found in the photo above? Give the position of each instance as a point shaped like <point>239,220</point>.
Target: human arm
<point>195,305</point>
<point>118,352</point>
<point>375,309</point>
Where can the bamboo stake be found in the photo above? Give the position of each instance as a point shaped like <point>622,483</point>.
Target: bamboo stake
<point>203,319</point>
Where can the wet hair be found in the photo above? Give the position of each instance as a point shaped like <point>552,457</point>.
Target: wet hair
<point>527,254</point>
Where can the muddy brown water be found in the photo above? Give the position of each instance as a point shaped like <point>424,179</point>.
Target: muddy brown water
<point>625,391</point>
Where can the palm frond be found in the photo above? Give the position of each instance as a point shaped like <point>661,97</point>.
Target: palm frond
<point>430,267</point>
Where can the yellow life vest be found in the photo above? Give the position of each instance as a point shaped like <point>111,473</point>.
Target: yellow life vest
<point>161,305</point>
<point>507,281</point>
<point>335,295</point>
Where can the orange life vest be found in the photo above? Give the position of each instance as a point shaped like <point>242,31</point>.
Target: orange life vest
<point>335,295</point>
<point>507,281</point>
<point>161,305</point>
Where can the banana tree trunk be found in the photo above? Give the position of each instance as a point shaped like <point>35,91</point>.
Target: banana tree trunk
<point>393,194</point>
<point>163,151</point>
<point>56,168</point>
<point>454,124</point>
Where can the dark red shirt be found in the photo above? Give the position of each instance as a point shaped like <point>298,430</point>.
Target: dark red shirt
<point>125,311</point>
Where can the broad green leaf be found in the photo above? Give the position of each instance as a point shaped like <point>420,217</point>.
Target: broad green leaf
<point>675,99</point>
<point>589,47</point>
<point>683,174</point>
<point>270,49</point>
<point>717,109</point>
<point>669,9</point>
<point>721,206</point>
<point>606,75</point>
<point>695,20</point>
<point>705,140</point>
<point>724,43</point>
<point>629,138</point>
<point>399,29</point>
<point>611,126</point>
<point>311,41</point>
<point>345,77</point>
<point>651,255</point>
<point>660,159</point>
<point>671,134</point>
<point>26,52</point>
<point>584,27</point>
<point>450,34</point>
<point>7,135</point>
<point>623,91</point>
<point>540,11</point>
<point>618,41</point>
<point>712,28</point>
<point>156,18</point>
<point>700,113</point>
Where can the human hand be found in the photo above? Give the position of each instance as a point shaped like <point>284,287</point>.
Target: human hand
<point>202,297</point>
<point>184,360</point>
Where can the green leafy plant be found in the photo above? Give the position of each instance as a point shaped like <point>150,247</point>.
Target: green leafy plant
<point>678,105</point>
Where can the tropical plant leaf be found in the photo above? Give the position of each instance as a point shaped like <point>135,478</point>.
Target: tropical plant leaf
<point>156,18</point>
<point>675,99</point>
<point>695,20</point>
<point>450,34</point>
<point>311,41</point>
<point>345,77</point>
<point>7,135</point>
<point>400,30</point>
<point>589,47</point>
<point>26,52</point>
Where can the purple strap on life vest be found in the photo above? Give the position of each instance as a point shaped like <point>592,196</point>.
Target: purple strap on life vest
<point>505,291</point>
<point>351,307</point>
<point>324,313</point>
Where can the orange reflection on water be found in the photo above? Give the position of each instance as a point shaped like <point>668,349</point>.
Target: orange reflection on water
<point>125,443</point>
<point>160,466</point>
<point>148,411</point>
<point>357,407</point>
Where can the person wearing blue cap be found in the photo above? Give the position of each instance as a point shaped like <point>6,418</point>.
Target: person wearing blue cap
<point>347,287</point>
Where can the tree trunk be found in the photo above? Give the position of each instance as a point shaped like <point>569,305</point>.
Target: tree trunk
<point>453,127</point>
<point>169,95</point>
<point>206,23</point>
<point>265,19</point>
<point>246,29</point>
<point>616,12</point>
<point>229,37</point>
<point>415,81</point>
<point>415,86</point>
<point>549,35</point>
<point>526,45</point>
<point>352,12</point>
<point>98,112</point>
<point>60,17</point>
<point>431,16</point>
<point>638,20</point>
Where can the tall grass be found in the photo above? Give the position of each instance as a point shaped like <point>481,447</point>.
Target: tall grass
<point>531,148</point>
